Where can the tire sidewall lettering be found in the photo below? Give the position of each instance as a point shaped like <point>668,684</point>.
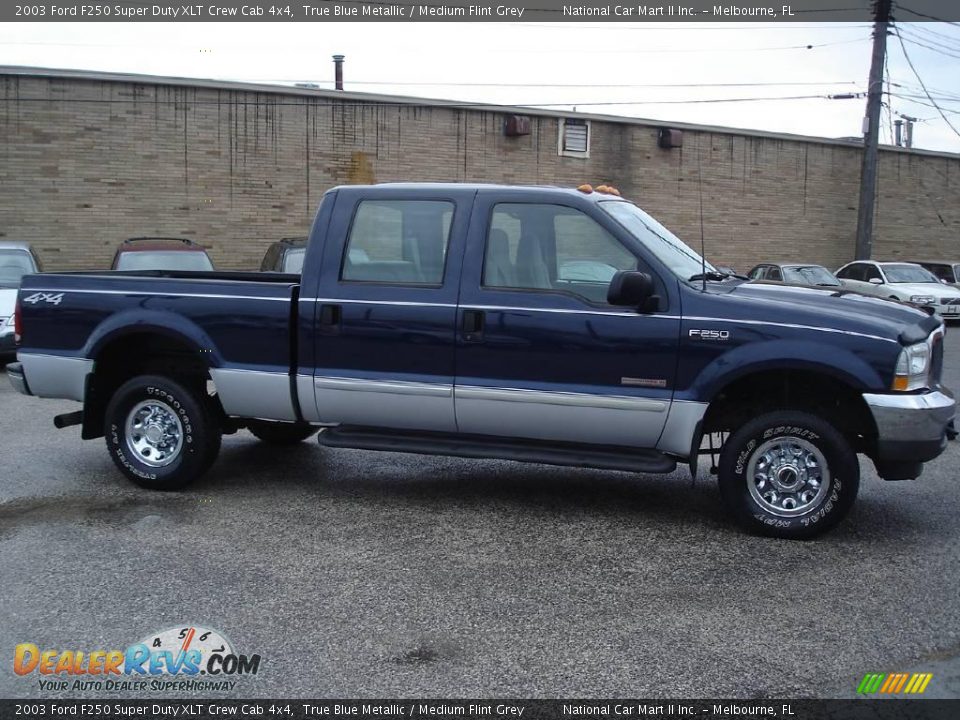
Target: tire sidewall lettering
<point>809,520</point>
<point>117,435</point>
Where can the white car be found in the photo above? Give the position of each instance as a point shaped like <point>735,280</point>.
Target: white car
<point>16,260</point>
<point>905,282</point>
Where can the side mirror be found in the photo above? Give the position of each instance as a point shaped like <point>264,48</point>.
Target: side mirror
<point>631,288</point>
<point>875,281</point>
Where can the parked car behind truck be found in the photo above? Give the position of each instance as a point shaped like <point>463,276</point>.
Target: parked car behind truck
<point>160,253</point>
<point>435,319</point>
<point>795,274</point>
<point>945,271</point>
<point>16,260</point>
<point>285,256</point>
<point>904,282</point>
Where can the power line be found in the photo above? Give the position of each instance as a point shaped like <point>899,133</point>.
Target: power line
<point>432,102</point>
<point>925,15</point>
<point>906,55</point>
<point>919,29</point>
<point>941,51</point>
<point>910,99</point>
<point>415,83</point>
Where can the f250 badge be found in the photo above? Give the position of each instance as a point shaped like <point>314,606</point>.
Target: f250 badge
<point>719,335</point>
<point>52,298</point>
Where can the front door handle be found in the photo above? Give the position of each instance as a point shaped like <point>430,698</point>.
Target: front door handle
<point>473,321</point>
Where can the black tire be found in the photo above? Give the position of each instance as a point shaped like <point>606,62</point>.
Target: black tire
<point>817,441</point>
<point>279,433</point>
<point>199,433</point>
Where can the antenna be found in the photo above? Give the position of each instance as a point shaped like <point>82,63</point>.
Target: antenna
<point>703,249</point>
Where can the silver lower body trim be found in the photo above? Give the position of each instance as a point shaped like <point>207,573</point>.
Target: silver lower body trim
<point>254,393</point>
<point>306,394</point>
<point>385,403</point>
<point>56,376</point>
<point>561,416</point>
<point>677,437</point>
<point>911,418</point>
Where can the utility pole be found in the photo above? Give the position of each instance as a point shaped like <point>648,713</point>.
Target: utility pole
<point>871,131</point>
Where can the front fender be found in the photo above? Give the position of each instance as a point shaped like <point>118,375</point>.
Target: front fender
<point>839,363</point>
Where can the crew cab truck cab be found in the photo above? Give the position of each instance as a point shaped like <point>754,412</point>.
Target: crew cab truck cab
<point>530,323</point>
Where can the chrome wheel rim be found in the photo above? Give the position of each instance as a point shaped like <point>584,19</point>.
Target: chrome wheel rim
<point>788,476</point>
<point>154,433</point>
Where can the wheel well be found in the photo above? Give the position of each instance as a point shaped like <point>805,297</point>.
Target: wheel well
<point>139,354</point>
<point>814,392</point>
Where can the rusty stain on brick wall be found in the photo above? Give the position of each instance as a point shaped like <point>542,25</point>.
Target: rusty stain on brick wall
<point>361,169</point>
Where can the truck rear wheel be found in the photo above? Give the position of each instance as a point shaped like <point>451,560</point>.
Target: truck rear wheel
<point>788,475</point>
<point>160,434</point>
<point>279,433</point>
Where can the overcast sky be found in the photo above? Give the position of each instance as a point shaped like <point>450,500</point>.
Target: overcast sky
<point>539,64</point>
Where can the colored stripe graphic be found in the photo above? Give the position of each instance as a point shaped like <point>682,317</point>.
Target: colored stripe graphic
<point>894,683</point>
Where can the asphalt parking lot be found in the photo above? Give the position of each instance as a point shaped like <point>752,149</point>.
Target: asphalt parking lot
<point>356,574</point>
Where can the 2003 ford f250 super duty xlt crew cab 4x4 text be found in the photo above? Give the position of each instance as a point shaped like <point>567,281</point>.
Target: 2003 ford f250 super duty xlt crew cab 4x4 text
<point>529,323</point>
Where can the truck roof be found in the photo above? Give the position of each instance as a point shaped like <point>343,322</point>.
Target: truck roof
<point>461,187</point>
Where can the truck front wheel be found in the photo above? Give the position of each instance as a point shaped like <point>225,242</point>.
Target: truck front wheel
<point>788,475</point>
<point>159,433</point>
<point>279,433</point>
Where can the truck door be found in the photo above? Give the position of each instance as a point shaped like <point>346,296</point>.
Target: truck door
<point>386,308</point>
<point>540,353</point>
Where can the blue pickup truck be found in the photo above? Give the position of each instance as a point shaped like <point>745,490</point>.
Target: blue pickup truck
<point>561,326</point>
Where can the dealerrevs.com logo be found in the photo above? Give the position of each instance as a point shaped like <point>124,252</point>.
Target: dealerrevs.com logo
<point>181,658</point>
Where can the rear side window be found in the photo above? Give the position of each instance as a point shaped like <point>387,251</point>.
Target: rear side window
<point>398,242</point>
<point>852,272</point>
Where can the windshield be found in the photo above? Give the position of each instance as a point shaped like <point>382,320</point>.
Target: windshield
<point>164,260</point>
<point>14,264</point>
<point>293,260</point>
<point>908,274</point>
<point>809,275</point>
<point>668,248</point>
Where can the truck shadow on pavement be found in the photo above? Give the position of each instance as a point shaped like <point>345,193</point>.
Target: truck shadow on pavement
<point>438,482</point>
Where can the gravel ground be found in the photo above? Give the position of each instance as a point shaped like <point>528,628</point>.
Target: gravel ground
<point>358,574</point>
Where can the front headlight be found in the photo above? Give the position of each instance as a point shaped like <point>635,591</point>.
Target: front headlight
<point>913,368</point>
<point>923,299</point>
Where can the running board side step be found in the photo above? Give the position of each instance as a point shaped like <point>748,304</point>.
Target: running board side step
<point>605,457</point>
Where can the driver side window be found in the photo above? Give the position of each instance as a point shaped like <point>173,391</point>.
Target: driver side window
<point>552,248</point>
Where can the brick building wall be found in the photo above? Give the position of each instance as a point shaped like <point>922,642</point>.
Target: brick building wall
<point>90,160</point>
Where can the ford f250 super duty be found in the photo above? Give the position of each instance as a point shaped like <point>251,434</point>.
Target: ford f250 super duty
<point>529,323</point>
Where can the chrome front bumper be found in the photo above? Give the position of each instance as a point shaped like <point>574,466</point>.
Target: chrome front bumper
<point>911,430</point>
<point>912,418</point>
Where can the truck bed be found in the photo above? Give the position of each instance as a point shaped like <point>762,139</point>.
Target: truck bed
<point>239,320</point>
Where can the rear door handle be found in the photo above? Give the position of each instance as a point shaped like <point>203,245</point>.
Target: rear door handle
<point>473,322</point>
<point>330,316</point>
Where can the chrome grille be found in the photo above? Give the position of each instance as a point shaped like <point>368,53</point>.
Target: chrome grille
<point>950,301</point>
